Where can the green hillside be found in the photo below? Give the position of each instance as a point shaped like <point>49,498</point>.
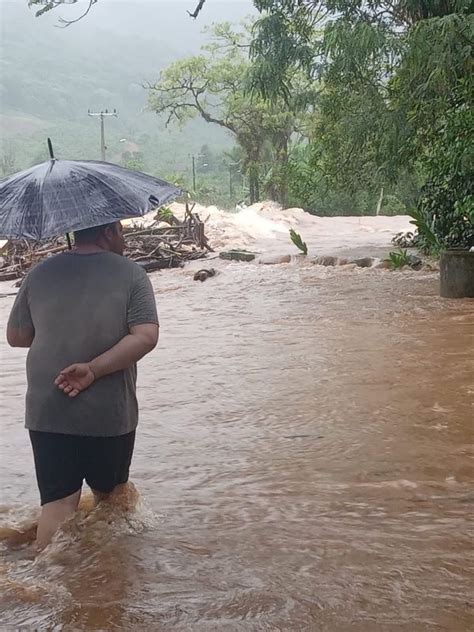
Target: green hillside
<point>50,77</point>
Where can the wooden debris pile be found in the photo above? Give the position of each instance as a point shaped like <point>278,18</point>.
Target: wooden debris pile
<point>17,257</point>
<point>406,240</point>
<point>166,243</point>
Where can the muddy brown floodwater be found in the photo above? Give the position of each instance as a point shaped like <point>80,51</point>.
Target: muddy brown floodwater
<point>303,462</point>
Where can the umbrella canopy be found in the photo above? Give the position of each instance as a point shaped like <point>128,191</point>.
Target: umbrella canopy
<point>61,196</point>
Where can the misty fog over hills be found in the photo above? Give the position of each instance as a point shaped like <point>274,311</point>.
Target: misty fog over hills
<point>51,76</point>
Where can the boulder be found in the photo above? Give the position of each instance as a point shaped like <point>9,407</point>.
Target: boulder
<point>237,255</point>
<point>363,262</point>
<point>414,262</point>
<point>343,261</point>
<point>384,264</point>
<point>325,260</point>
<point>274,259</point>
<point>202,275</point>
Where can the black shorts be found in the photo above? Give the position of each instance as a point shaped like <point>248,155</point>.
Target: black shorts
<point>63,462</point>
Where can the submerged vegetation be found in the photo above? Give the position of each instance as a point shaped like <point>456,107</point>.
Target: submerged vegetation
<point>298,241</point>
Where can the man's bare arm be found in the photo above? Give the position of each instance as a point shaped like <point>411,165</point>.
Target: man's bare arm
<point>141,340</point>
<point>20,337</point>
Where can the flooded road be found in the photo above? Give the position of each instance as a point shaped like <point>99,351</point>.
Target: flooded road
<point>303,460</point>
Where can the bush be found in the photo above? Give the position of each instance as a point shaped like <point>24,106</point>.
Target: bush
<point>398,259</point>
<point>393,206</point>
<point>447,200</point>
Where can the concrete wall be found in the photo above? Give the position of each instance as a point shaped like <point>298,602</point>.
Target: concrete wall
<point>457,274</point>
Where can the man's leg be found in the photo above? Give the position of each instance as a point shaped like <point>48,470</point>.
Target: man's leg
<point>59,475</point>
<point>124,496</point>
<point>101,496</point>
<point>53,515</point>
<point>107,469</point>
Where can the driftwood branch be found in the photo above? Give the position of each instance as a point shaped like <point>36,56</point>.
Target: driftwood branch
<point>64,23</point>
<point>53,4</point>
<point>197,10</point>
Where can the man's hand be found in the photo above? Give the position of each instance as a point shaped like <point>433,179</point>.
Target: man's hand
<point>140,341</point>
<point>75,379</point>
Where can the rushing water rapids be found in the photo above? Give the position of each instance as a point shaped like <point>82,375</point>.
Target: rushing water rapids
<point>303,463</point>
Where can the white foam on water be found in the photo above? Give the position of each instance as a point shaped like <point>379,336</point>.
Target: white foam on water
<point>266,225</point>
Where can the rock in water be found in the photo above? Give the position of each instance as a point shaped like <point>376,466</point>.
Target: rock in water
<point>325,260</point>
<point>414,262</point>
<point>202,275</point>
<point>364,262</point>
<point>237,255</point>
<point>383,264</point>
<point>274,259</point>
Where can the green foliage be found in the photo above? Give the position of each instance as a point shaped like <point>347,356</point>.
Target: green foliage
<point>8,159</point>
<point>447,199</point>
<point>426,238</point>
<point>433,90</point>
<point>397,86</point>
<point>398,259</point>
<point>433,75</point>
<point>285,40</point>
<point>393,206</point>
<point>298,241</point>
<point>312,189</point>
<point>165,214</point>
<point>178,179</point>
<point>134,161</point>
<point>212,182</point>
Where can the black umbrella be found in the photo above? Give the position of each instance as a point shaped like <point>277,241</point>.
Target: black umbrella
<point>61,196</point>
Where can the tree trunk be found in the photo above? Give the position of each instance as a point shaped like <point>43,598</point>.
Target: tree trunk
<point>257,187</point>
<point>380,202</point>
<point>251,190</point>
<point>283,171</point>
<point>277,186</point>
<point>254,184</point>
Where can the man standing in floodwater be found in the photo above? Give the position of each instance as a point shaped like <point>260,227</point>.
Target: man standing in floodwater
<point>87,316</point>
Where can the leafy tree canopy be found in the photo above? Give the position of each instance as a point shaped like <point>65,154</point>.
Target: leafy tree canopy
<point>396,74</point>
<point>212,86</point>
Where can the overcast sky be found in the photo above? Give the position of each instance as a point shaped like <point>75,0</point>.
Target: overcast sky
<point>104,7</point>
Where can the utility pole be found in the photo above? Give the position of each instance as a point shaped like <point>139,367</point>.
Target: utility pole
<point>194,172</point>
<point>102,114</point>
<point>193,158</point>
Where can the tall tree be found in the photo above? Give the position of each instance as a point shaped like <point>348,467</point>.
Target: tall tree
<point>213,86</point>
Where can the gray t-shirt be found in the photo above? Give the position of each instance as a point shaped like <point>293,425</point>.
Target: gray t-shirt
<point>79,307</point>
